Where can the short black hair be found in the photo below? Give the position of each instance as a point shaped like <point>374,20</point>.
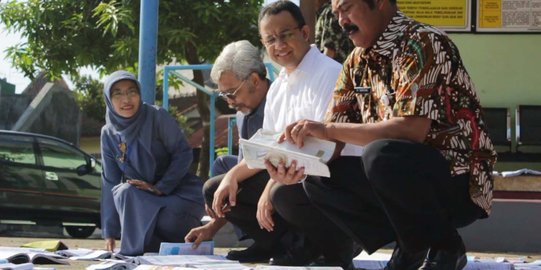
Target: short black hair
<point>283,5</point>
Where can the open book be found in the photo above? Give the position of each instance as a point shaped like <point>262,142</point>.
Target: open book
<point>92,255</point>
<point>12,266</point>
<point>49,245</point>
<point>29,255</point>
<point>263,145</point>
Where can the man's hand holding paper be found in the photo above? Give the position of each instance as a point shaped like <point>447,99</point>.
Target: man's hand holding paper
<point>285,175</point>
<point>296,132</point>
<point>266,147</point>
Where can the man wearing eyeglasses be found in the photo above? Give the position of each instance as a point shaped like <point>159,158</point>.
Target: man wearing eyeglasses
<point>241,77</point>
<point>303,89</point>
<point>240,74</point>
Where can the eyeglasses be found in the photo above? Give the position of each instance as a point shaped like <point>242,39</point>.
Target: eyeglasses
<point>231,95</point>
<point>130,93</point>
<point>284,36</point>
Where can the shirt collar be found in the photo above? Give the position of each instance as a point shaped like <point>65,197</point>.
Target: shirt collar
<point>307,62</point>
<point>260,109</point>
<point>387,42</point>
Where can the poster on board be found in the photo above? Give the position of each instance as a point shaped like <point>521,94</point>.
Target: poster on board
<point>451,16</point>
<point>509,15</point>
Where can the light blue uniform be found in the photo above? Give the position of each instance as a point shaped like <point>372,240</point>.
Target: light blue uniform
<point>157,152</point>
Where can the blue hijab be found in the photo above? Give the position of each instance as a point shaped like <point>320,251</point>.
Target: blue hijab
<point>136,131</point>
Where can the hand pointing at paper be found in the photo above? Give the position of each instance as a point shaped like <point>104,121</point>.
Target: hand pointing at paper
<point>297,131</point>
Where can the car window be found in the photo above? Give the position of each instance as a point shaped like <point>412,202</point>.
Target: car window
<point>16,148</point>
<point>60,155</point>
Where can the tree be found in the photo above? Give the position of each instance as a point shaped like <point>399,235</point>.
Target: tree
<point>89,97</point>
<point>64,35</point>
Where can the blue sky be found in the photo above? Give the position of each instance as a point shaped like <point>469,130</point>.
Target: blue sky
<point>6,71</point>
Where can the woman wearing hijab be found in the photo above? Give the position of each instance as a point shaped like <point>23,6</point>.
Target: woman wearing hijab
<point>148,195</point>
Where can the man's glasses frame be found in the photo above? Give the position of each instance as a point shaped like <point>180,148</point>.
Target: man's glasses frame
<point>283,36</point>
<point>231,95</point>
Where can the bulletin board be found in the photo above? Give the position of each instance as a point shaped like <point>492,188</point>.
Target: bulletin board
<point>449,15</point>
<point>508,16</point>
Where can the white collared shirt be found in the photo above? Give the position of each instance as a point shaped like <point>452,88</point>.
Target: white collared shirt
<point>305,93</point>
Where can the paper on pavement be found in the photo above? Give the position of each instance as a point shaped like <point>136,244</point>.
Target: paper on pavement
<point>205,248</point>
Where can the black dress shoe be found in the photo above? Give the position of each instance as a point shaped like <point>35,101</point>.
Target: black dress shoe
<point>402,260</point>
<point>252,254</point>
<point>446,259</point>
<point>294,257</point>
<point>322,262</point>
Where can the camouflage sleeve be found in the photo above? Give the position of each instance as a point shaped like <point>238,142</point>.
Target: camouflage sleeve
<point>331,35</point>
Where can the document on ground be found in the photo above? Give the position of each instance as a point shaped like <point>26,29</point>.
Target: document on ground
<point>205,248</point>
<point>524,171</point>
<point>379,260</point>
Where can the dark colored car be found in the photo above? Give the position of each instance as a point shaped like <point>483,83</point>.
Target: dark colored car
<point>49,181</point>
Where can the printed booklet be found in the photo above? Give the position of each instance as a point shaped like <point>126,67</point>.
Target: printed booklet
<point>263,145</point>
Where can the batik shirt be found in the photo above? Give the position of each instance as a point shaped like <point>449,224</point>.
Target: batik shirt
<point>329,34</point>
<point>416,70</point>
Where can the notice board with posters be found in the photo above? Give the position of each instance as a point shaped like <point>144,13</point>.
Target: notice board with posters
<point>449,15</point>
<point>509,15</point>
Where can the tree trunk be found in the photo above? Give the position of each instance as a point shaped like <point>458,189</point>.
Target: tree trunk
<point>203,107</point>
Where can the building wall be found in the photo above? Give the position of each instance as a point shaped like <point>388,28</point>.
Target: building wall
<point>504,67</point>
<point>11,108</point>
<point>60,118</point>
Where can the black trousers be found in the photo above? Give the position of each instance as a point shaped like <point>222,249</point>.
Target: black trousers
<point>291,202</point>
<point>398,191</point>
<point>297,223</point>
<point>243,214</point>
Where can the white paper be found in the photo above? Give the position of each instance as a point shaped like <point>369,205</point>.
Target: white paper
<point>100,254</point>
<point>183,260</point>
<point>524,171</point>
<point>112,265</point>
<point>74,252</point>
<point>276,267</point>
<point>22,266</point>
<point>379,260</point>
<point>160,267</point>
<point>263,145</point>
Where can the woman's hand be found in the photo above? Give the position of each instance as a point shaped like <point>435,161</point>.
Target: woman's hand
<point>110,244</point>
<point>143,185</point>
<point>265,208</point>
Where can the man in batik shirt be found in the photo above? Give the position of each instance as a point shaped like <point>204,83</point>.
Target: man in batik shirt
<point>405,95</point>
<point>329,37</point>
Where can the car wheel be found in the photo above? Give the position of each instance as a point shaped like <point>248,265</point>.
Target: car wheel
<point>80,231</point>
